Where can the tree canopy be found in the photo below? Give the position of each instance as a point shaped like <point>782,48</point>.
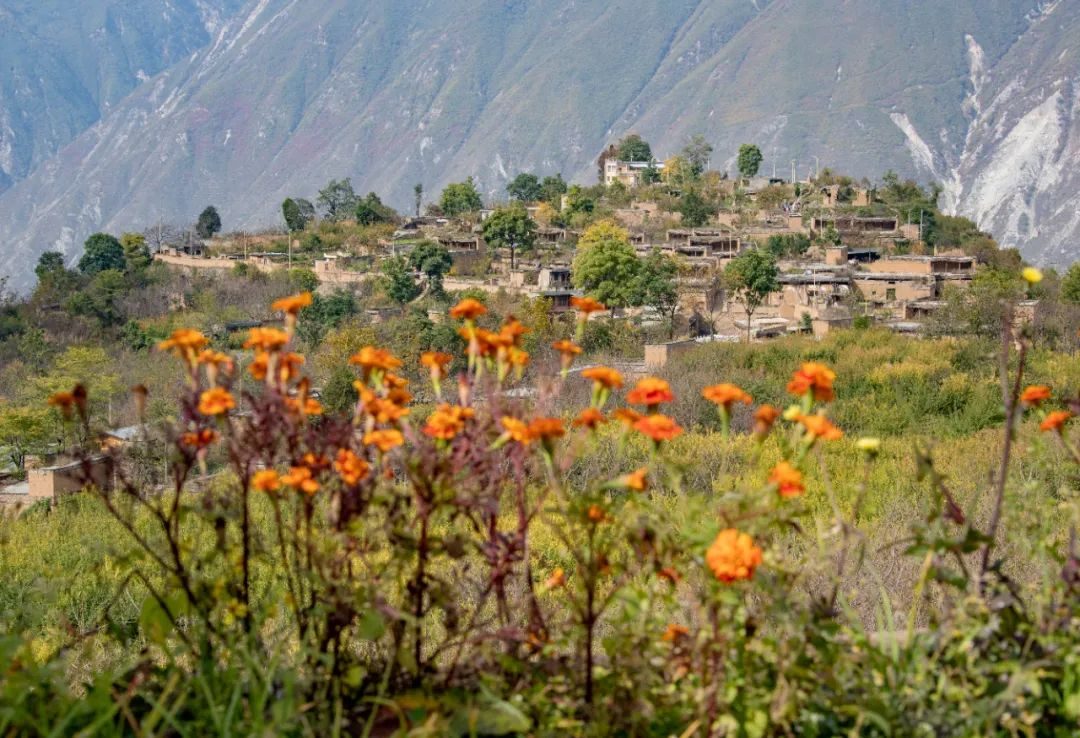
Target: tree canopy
<point>370,210</point>
<point>752,277</point>
<point>209,222</point>
<point>697,153</point>
<point>432,260</point>
<point>695,211</point>
<point>606,266</point>
<point>337,200</point>
<point>102,252</point>
<point>460,198</point>
<point>656,286</point>
<point>633,147</point>
<point>297,213</point>
<point>510,228</point>
<point>398,280</point>
<point>750,159</point>
<point>525,187</point>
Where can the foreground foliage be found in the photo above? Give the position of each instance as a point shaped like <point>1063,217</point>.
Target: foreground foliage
<point>469,572</point>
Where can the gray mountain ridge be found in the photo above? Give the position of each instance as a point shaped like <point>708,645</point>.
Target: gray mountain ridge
<point>979,95</point>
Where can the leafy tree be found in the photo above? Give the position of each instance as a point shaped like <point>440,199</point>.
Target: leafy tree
<point>606,265</point>
<point>791,244</point>
<point>750,159</point>
<point>656,286</point>
<point>633,147</point>
<point>398,280</point>
<point>525,187</point>
<point>418,197</point>
<point>432,260</point>
<point>303,280</point>
<point>370,210</point>
<point>337,200</point>
<point>552,188</point>
<point>102,252</point>
<point>460,198</point>
<point>209,222</point>
<point>1070,285</point>
<point>578,201</point>
<point>297,213</point>
<point>50,265</point>
<point>136,252</point>
<point>695,211</point>
<point>325,314</point>
<point>678,173</point>
<point>752,277</point>
<point>100,299</point>
<point>26,430</point>
<point>697,152</point>
<point>510,228</point>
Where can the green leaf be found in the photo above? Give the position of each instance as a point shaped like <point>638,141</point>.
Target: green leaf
<point>371,626</point>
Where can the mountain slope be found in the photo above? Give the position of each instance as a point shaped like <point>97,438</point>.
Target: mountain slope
<point>394,92</point>
<point>64,66</point>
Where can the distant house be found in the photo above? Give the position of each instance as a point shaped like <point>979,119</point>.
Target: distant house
<point>629,173</point>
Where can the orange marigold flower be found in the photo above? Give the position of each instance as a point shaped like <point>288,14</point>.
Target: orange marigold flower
<point>517,430</point>
<point>589,418</point>
<point>818,426</point>
<point>468,309</point>
<point>1035,395</point>
<point>266,480</point>
<point>308,406</point>
<point>627,416</point>
<point>301,478</point>
<point>659,427</point>
<point>384,440</point>
<point>1055,421</point>
<point>448,421</point>
<point>650,391</point>
<point>437,362</point>
<point>184,342</point>
<point>604,376</point>
<point>216,401</point>
<point>518,357</point>
<point>788,480</point>
<point>596,514</point>
<point>260,365</point>
<point>199,439</point>
<point>636,480</point>
<point>63,400</point>
<point>566,348</point>
<point>350,467</point>
<point>675,632</point>
<point>764,419</point>
<point>726,394</point>
<point>547,428</point>
<point>209,356</point>
<point>733,556</point>
<point>512,330</point>
<point>266,339</point>
<point>816,378</point>
<point>587,305</point>
<point>292,304</point>
<point>383,410</point>
<point>557,578</point>
<point>371,358</point>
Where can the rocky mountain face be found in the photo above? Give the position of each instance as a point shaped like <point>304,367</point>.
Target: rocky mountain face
<point>64,65</point>
<point>979,95</point>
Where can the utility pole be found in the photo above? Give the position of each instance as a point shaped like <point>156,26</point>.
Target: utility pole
<point>793,175</point>
<point>817,168</point>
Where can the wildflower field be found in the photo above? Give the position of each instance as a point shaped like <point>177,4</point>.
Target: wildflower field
<point>867,536</point>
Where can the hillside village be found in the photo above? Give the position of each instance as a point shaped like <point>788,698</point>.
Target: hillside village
<point>843,250</point>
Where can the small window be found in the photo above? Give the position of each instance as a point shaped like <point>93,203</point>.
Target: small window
<point>890,294</point>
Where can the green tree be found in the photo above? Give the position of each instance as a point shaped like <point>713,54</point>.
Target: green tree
<point>50,265</point>
<point>750,159</point>
<point>606,266</point>
<point>302,280</point>
<point>100,299</point>
<point>578,201</point>
<point>209,222</point>
<point>510,228</point>
<point>633,147</point>
<point>679,173</point>
<point>297,213</point>
<point>418,197</point>
<point>460,198</point>
<point>337,200</point>
<point>370,210</point>
<point>432,260</point>
<point>792,244</point>
<point>26,430</point>
<point>552,188</point>
<point>751,277</point>
<point>398,280</point>
<point>695,211</point>
<point>325,314</point>
<point>656,286</point>
<point>697,152</point>
<point>525,187</point>
<point>102,252</point>
<point>136,251</point>
<point>1070,285</point>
